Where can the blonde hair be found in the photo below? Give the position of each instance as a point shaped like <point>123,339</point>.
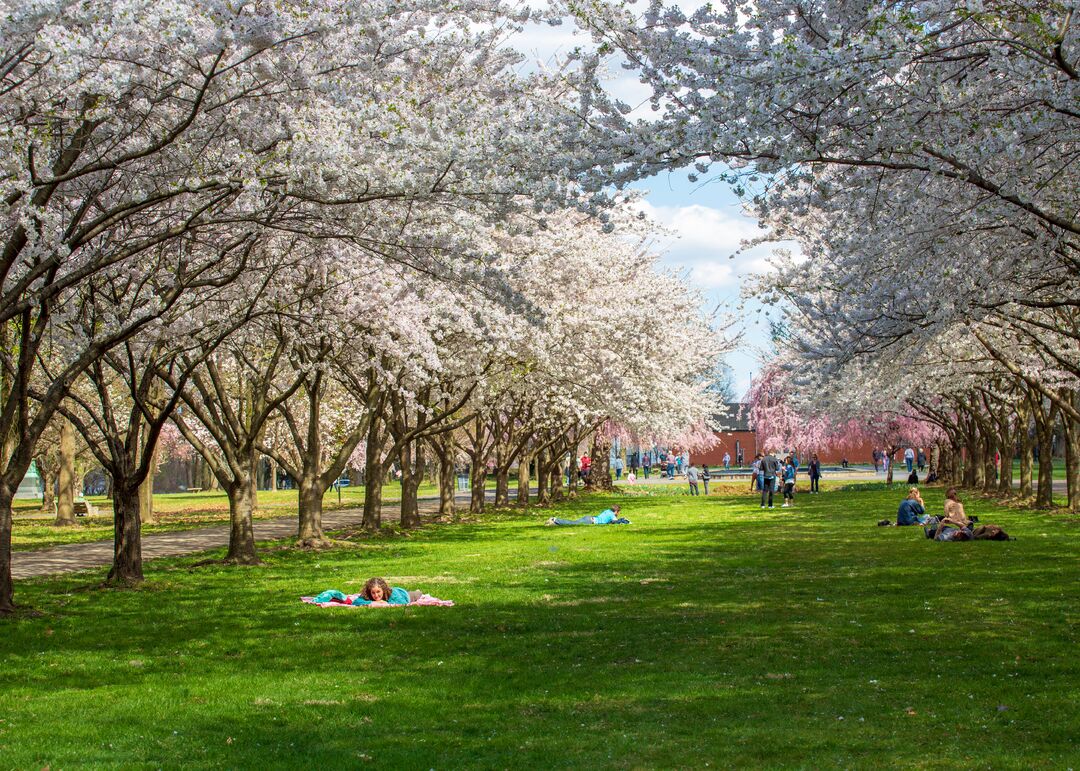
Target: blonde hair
<point>913,492</point>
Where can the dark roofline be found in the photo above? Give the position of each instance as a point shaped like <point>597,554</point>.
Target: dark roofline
<point>737,418</point>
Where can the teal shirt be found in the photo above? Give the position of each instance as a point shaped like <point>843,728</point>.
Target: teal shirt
<point>398,596</point>
<point>605,517</point>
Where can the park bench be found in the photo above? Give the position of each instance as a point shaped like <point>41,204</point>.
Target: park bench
<point>84,509</point>
<point>194,490</point>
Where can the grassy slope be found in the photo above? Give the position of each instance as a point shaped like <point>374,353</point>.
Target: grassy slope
<point>708,631</point>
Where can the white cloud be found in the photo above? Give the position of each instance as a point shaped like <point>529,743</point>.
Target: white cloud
<point>710,243</point>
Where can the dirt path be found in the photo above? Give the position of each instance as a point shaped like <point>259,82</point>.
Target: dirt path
<point>99,554</point>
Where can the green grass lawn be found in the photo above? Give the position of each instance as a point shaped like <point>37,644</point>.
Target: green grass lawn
<point>177,511</point>
<point>708,632</point>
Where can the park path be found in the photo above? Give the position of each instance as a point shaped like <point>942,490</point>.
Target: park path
<point>99,554</point>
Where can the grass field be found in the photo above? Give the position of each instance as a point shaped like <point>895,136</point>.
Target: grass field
<point>708,632</point>
<point>177,511</point>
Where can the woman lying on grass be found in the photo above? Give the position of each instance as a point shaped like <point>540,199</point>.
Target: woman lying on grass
<point>605,517</point>
<point>376,593</point>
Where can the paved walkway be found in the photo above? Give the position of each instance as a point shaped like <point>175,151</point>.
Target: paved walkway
<point>99,554</point>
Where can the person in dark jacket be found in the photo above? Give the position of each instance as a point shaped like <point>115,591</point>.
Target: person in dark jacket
<point>912,511</point>
<point>769,468</point>
<point>814,470</point>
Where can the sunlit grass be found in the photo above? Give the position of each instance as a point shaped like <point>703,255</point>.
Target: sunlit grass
<point>708,631</point>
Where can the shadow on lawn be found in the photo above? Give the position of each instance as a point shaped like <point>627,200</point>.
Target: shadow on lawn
<point>804,638</point>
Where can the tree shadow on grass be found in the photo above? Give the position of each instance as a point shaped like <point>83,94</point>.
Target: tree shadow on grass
<point>749,640</point>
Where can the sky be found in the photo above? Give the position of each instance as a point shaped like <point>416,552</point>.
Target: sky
<point>704,220</point>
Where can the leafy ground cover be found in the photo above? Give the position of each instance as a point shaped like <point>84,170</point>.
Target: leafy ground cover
<point>707,632</point>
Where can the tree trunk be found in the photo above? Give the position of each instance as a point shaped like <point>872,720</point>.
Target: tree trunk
<point>502,487</point>
<point>241,526</point>
<point>146,495</point>
<point>7,586</point>
<point>373,489</point>
<point>990,453</point>
<point>412,474</point>
<point>65,506</point>
<point>478,474</point>
<point>959,465</point>
<point>1072,459</point>
<point>374,474</point>
<point>543,493</point>
<point>557,478</point>
<point>1044,491</point>
<point>977,462</point>
<point>1007,448</point>
<point>889,475</point>
<point>447,480</point>
<point>48,485</point>
<point>127,541</point>
<point>309,532</point>
<point>600,474</point>
<point>273,474</point>
<point>523,480</point>
<point>1025,460</point>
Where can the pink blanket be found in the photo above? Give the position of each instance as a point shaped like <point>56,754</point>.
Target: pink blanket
<point>425,599</point>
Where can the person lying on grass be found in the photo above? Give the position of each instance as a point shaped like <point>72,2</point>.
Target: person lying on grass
<point>376,593</point>
<point>954,525</point>
<point>912,510</point>
<point>605,517</point>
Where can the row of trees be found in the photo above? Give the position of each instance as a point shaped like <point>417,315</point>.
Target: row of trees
<point>352,232</point>
<point>924,158</point>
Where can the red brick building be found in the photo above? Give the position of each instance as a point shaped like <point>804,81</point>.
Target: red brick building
<point>735,437</point>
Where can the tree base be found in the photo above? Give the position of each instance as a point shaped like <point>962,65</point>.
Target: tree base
<point>121,582</point>
<point>19,612</point>
<point>318,542</point>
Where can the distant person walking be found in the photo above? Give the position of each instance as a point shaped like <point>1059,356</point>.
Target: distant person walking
<point>921,458</point>
<point>670,466</point>
<point>814,471</point>
<point>646,464</point>
<point>692,477</point>
<point>705,477</point>
<point>769,468</point>
<point>618,467</point>
<point>755,473</point>
<point>727,460</point>
<point>909,459</point>
<point>877,460</point>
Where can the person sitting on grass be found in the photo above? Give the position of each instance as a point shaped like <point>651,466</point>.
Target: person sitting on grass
<point>912,510</point>
<point>376,593</point>
<point>954,525</point>
<point>605,517</point>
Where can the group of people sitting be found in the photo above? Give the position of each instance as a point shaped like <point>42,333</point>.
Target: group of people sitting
<point>953,525</point>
